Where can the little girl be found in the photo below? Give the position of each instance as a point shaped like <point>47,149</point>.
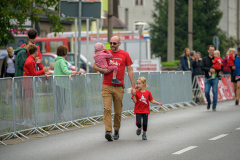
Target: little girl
<point>101,56</point>
<point>217,64</point>
<point>142,108</point>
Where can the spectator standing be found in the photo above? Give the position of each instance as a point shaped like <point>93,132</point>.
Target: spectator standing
<point>20,57</point>
<point>192,54</point>
<point>29,69</point>
<point>8,69</point>
<point>111,92</point>
<point>186,60</point>
<point>207,63</point>
<point>61,68</point>
<point>197,70</point>
<point>226,68</point>
<point>32,34</point>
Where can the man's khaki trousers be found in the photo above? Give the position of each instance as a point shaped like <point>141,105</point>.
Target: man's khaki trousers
<point>112,94</point>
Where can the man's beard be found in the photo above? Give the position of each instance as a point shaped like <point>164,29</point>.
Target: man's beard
<point>113,48</point>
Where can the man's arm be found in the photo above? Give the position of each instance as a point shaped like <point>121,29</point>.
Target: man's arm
<point>131,77</point>
<point>95,67</point>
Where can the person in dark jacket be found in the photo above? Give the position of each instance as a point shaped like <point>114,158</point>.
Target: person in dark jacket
<point>8,70</point>
<point>196,65</point>
<point>186,60</point>
<point>207,67</point>
<point>197,70</point>
<point>20,57</point>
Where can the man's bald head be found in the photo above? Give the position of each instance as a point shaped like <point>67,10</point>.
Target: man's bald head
<point>115,39</point>
<point>115,43</point>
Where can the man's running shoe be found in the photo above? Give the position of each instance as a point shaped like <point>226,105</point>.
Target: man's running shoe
<point>208,106</point>
<point>108,136</point>
<point>116,135</point>
<point>236,102</point>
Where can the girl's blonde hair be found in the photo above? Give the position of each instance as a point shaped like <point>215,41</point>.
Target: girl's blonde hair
<point>230,49</point>
<point>218,52</point>
<point>143,80</point>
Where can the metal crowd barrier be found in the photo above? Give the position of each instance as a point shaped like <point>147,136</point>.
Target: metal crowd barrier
<point>37,105</point>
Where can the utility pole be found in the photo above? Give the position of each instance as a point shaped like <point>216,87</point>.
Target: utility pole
<point>238,41</point>
<point>190,24</point>
<point>110,14</point>
<point>171,30</point>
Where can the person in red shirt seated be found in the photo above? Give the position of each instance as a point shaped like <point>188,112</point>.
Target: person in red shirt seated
<point>142,108</point>
<point>29,69</point>
<point>217,64</point>
<point>32,34</point>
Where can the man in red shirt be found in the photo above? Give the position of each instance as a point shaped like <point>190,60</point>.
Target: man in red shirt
<point>29,69</point>
<point>32,34</point>
<point>112,92</point>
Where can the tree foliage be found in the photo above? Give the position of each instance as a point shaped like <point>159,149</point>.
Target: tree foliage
<point>21,10</point>
<point>206,17</point>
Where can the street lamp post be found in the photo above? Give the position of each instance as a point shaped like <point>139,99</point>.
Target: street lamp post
<point>140,25</point>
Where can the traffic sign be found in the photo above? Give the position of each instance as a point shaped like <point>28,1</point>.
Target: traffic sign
<point>216,42</point>
<point>70,9</point>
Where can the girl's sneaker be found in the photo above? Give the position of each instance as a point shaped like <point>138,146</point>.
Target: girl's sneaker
<point>144,137</point>
<point>138,131</point>
<point>237,77</point>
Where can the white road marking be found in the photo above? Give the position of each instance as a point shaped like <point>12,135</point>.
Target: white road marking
<point>237,128</point>
<point>185,150</point>
<point>218,137</point>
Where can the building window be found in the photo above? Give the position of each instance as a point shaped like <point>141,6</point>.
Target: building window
<point>138,2</point>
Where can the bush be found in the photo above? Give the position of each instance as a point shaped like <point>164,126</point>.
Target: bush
<point>170,64</point>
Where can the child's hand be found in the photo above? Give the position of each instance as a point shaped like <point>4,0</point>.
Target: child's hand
<point>160,103</point>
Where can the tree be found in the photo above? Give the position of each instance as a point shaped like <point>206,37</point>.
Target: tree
<point>21,10</point>
<point>206,17</point>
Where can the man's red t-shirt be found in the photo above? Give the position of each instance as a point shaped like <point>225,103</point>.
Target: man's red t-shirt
<point>39,65</point>
<point>142,104</point>
<point>217,63</point>
<point>230,60</point>
<point>121,59</point>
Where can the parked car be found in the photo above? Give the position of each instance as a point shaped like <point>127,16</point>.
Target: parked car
<point>48,60</point>
<point>83,61</point>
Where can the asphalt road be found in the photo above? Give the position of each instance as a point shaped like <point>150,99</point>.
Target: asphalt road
<point>192,133</point>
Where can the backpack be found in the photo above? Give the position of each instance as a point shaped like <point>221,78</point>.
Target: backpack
<point>179,66</point>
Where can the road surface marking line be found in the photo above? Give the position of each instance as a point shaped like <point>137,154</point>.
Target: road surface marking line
<point>218,137</point>
<point>237,128</point>
<point>185,150</point>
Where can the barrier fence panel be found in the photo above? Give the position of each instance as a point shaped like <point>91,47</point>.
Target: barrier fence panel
<point>61,101</point>
<point>187,79</point>
<point>78,97</point>
<point>93,86</point>
<point>24,103</point>
<point>154,87</point>
<point>44,100</point>
<point>6,109</point>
